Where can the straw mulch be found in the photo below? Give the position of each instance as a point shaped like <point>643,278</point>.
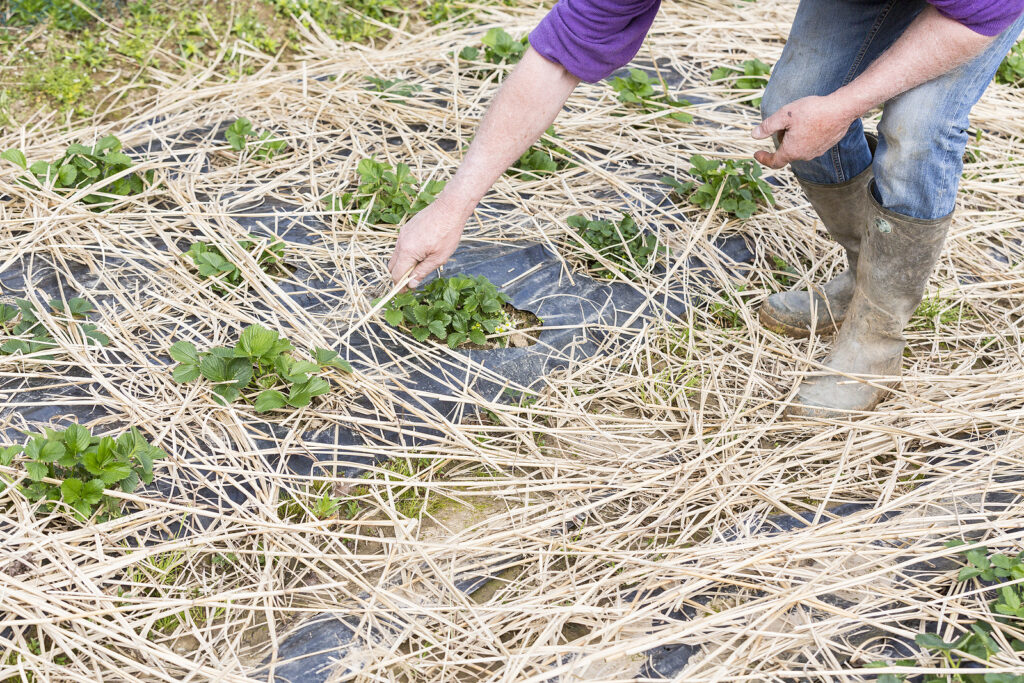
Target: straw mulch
<point>628,486</point>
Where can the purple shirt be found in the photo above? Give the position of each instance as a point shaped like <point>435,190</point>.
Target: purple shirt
<point>592,38</point>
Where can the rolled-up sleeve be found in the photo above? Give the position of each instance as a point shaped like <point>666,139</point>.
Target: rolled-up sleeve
<point>593,38</point>
<point>987,17</point>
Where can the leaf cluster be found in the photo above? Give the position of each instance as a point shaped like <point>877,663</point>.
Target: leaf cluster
<point>386,194</point>
<point>498,48</point>
<point>349,21</point>
<point>65,15</point>
<point>29,335</point>
<point>622,243</point>
<point>738,181</point>
<point>259,368</point>
<point>978,642</point>
<point>392,90</point>
<point>638,89</point>
<point>265,147</point>
<point>454,310</point>
<point>1011,70</point>
<point>211,262</point>
<point>547,156</point>
<point>83,167</point>
<point>86,465</point>
<point>752,74</point>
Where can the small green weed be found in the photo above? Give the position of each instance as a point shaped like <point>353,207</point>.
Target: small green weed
<point>543,158</point>
<point>783,273</point>
<point>264,145</point>
<point>738,182</point>
<point>85,465</point>
<point>65,15</point>
<point>1011,71</point>
<point>498,48</point>
<point>621,243</point>
<point>454,310</point>
<point>260,362</point>
<point>212,263</point>
<point>392,90</point>
<point>346,21</point>
<point>638,89</point>
<point>727,308</point>
<point>752,74</point>
<point>29,335</point>
<point>385,194</point>
<point>317,503</point>
<point>251,30</point>
<point>978,642</point>
<point>936,312</point>
<point>83,167</point>
<point>66,83</point>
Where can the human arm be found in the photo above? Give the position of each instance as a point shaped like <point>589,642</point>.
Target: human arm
<point>524,107</point>
<point>932,45</point>
<point>577,40</point>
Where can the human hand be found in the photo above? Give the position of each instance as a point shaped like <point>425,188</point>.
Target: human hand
<point>806,129</point>
<point>427,241</point>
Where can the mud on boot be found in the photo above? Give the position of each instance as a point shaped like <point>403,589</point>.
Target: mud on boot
<point>896,259</point>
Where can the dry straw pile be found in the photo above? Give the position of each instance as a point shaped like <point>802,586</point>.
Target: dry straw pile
<point>628,486</point>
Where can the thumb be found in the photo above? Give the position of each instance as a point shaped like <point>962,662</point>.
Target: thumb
<point>775,160</point>
<point>771,125</point>
<point>425,268</point>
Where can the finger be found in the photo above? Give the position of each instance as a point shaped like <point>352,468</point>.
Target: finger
<point>771,125</point>
<point>400,266</point>
<point>425,268</point>
<point>776,160</point>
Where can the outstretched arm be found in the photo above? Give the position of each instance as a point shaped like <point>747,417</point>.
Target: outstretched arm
<point>522,110</point>
<point>932,45</point>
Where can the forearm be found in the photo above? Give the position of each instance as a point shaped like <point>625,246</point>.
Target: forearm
<point>931,46</point>
<point>524,107</point>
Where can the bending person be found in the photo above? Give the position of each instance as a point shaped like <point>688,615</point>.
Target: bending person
<point>889,205</point>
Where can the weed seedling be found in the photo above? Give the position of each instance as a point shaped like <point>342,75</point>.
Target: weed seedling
<point>212,263</point>
<point>454,310</point>
<point>259,369</point>
<point>86,465</point>
<point>621,243</point>
<point>736,186</point>
<point>752,74</point>
<point>347,21</point>
<point>498,48</point>
<point>638,90</point>
<point>264,145</point>
<point>84,167</point>
<point>1011,71</point>
<point>385,194</point>
<point>24,333</point>
<point>65,15</point>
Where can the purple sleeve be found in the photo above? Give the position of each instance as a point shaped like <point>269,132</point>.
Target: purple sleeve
<point>987,17</point>
<point>592,38</point>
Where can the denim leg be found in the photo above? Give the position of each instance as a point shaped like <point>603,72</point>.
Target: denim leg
<point>923,134</point>
<point>830,44</point>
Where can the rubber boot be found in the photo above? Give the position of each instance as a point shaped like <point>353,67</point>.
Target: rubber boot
<point>896,258</point>
<point>841,208</point>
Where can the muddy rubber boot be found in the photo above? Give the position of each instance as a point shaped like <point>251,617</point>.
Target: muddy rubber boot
<point>896,258</point>
<point>842,209</point>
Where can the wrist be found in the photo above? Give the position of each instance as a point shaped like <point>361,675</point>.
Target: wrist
<point>847,103</point>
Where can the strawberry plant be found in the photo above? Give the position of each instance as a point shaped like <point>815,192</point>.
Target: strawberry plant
<point>23,332</point>
<point>736,186</point>
<point>212,263</point>
<point>260,369</point>
<point>83,167</point>
<point>638,89</point>
<point>1011,70</point>
<point>978,641</point>
<point>454,310</point>
<point>385,194</point>
<point>392,90</point>
<point>264,145</point>
<point>621,243</point>
<point>498,48</point>
<point>543,158</point>
<point>85,466</point>
<point>752,74</point>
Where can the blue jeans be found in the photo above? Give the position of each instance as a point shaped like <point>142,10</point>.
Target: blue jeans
<point>923,132</point>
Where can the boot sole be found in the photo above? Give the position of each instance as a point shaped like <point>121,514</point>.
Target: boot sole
<point>801,410</point>
<point>779,327</point>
